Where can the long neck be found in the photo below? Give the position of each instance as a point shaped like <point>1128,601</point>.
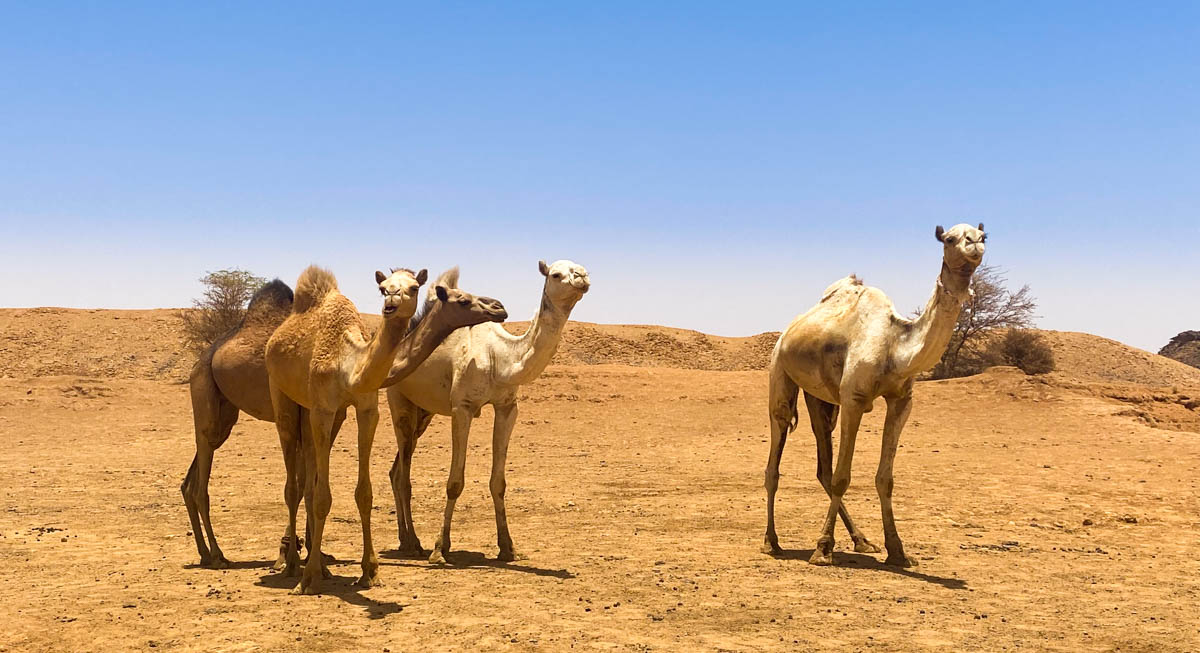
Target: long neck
<point>922,346</point>
<point>534,350</point>
<point>419,344</point>
<point>374,361</point>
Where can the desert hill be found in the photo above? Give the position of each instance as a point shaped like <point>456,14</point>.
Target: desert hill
<point>145,344</point>
<point>1184,347</point>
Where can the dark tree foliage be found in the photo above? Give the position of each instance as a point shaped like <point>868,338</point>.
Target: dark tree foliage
<point>992,308</point>
<point>1022,348</point>
<point>222,307</point>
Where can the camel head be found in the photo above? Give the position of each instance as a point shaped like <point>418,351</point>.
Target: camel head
<point>566,283</point>
<point>963,246</point>
<point>460,308</point>
<point>400,290</point>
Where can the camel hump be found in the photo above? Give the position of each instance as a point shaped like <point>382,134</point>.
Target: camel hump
<point>852,283</point>
<point>312,286</point>
<point>447,279</point>
<point>273,297</point>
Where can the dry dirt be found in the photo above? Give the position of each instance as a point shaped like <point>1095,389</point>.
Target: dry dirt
<point>1048,513</point>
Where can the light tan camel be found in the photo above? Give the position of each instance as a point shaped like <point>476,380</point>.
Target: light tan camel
<point>846,351</point>
<point>231,376</point>
<point>473,367</point>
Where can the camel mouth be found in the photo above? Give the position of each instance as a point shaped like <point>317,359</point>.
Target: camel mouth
<point>389,310</point>
<point>500,315</point>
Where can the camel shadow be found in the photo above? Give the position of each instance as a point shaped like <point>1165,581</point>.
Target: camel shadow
<point>244,564</point>
<point>343,587</point>
<point>864,561</point>
<point>463,560</point>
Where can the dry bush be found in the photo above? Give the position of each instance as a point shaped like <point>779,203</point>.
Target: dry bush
<point>992,307</point>
<point>223,306</point>
<point>1023,348</point>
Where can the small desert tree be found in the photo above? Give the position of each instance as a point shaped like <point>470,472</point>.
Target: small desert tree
<point>220,309</point>
<point>993,307</point>
<point>1023,348</point>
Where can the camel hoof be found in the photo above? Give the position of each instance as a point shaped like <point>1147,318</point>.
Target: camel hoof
<point>900,560</point>
<point>219,562</point>
<point>437,558</point>
<point>367,582</point>
<point>308,586</point>
<point>820,558</point>
<point>771,548</point>
<point>510,556</point>
<point>861,545</point>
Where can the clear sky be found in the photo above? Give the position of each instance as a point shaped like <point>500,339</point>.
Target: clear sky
<point>714,165</point>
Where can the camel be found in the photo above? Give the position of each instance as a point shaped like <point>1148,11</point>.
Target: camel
<point>231,377</point>
<point>848,350</point>
<point>484,364</point>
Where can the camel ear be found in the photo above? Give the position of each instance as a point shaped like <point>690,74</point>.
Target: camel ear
<point>379,276</point>
<point>441,293</point>
<point>980,227</point>
<point>937,233</point>
<point>543,268</point>
<point>422,277</point>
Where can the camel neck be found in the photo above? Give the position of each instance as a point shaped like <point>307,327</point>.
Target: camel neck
<point>420,344</point>
<point>536,348</point>
<point>923,345</point>
<point>376,360</point>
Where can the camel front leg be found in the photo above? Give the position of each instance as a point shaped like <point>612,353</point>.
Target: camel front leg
<point>368,419</point>
<point>460,428</point>
<point>822,415</point>
<point>897,416</point>
<point>851,418</point>
<point>317,468</point>
<point>506,418</point>
<point>405,423</point>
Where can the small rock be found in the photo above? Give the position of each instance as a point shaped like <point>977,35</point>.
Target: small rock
<point>1088,522</point>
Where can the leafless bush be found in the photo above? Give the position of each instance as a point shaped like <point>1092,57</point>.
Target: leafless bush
<point>220,309</point>
<point>993,307</point>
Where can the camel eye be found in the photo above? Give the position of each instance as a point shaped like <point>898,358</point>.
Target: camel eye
<point>557,275</point>
<point>950,240</point>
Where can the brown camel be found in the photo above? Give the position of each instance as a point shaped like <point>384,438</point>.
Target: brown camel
<point>846,351</point>
<point>231,376</point>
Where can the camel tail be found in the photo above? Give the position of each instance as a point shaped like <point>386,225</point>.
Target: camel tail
<point>447,279</point>
<point>312,286</point>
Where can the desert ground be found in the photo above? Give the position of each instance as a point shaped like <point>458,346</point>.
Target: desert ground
<point>1058,512</point>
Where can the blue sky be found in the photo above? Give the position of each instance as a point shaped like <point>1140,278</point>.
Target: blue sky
<point>714,165</point>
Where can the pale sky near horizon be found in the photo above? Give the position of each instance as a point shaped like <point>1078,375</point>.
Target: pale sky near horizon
<point>713,165</point>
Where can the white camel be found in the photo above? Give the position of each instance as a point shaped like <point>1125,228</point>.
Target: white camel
<point>474,366</point>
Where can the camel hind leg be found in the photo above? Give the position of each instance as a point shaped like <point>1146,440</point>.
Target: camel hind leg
<point>213,417</point>
<point>781,409</point>
<point>823,416</point>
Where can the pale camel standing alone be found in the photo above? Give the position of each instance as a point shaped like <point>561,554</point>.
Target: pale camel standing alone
<point>846,351</point>
<point>321,360</point>
<point>473,367</point>
<point>231,376</point>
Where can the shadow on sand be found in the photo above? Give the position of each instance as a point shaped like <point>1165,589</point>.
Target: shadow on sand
<point>864,561</point>
<point>469,560</point>
<point>343,587</point>
<point>244,564</point>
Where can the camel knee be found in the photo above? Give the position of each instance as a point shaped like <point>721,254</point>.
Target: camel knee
<point>363,496</point>
<point>884,484</point>
<point>322,501</point>
<point>453,489</point>
<point>840,484</point>
<point>771,480</point>
<point>498,487</point>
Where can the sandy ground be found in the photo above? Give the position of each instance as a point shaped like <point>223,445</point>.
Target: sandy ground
<point>1044,518</point>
